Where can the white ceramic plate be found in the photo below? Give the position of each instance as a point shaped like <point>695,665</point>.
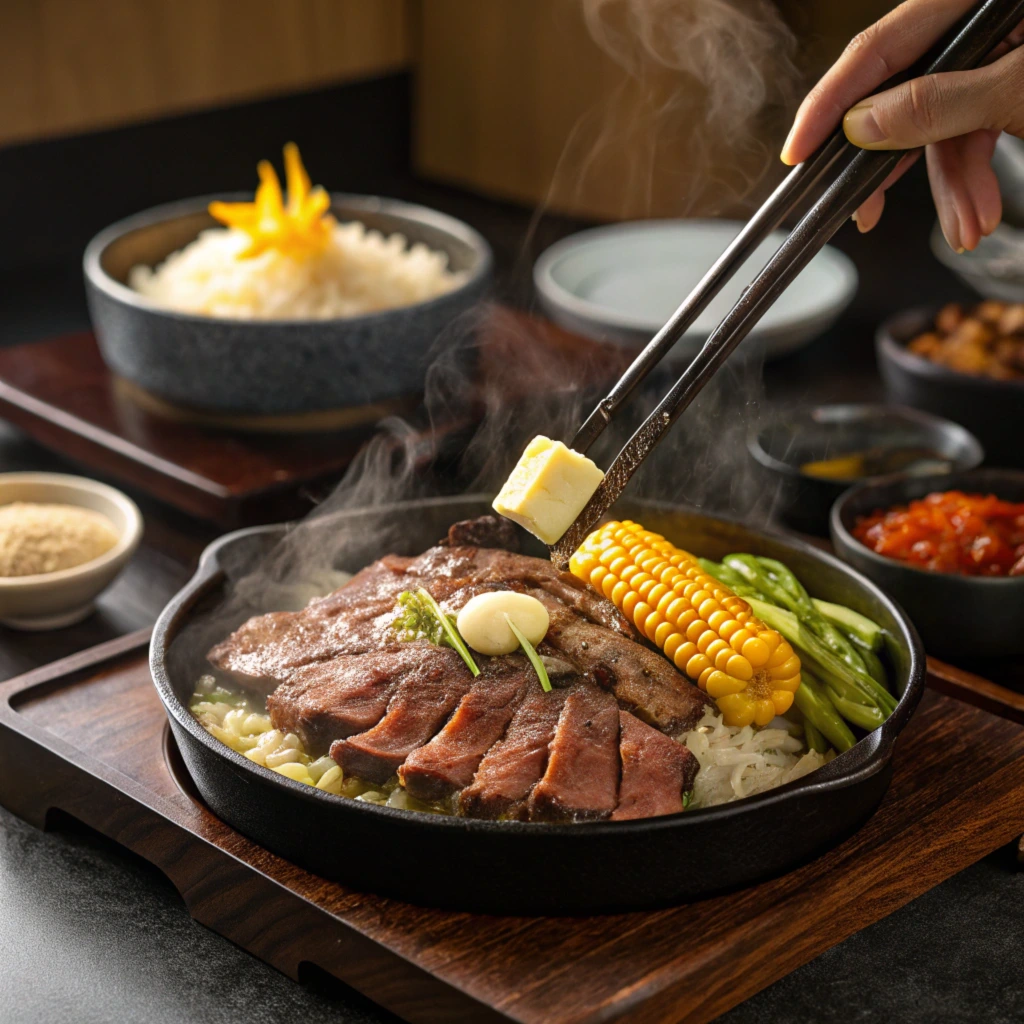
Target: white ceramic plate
<point>995,269</point>
<point>621,282</point>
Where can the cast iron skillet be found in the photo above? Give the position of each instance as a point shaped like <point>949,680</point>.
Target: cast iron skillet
<point>513,867</point>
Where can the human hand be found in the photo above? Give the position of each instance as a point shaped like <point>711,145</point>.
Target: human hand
<point>957,116</point>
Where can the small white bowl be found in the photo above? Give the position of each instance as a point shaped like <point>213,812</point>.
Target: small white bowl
<point>51,600</point>
<point>621,282</point>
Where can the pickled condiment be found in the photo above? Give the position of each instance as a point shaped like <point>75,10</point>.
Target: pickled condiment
<point>878,462</point>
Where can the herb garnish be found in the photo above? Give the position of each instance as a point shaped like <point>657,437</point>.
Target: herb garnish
<point>421,617</point>
<point>530,652</point>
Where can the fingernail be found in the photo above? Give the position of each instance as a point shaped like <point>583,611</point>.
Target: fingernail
<point>861,127</point>
<point>961,251</point>
<point>784,153</point>
<point>853,216</point>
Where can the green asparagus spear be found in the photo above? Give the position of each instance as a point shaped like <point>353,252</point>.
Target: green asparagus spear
<point>818,710</point>
<point>815,740</point>
<point>736,583</point>
<point>874,666</point>
<point>860,714</point>
<point>783,589</point>
<point>856,626</point>
<point>854,684</point>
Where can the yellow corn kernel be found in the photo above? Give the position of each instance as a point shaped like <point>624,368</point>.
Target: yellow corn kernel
<point>703,627</point>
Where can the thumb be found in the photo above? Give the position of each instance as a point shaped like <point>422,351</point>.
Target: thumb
<point>937,107</point>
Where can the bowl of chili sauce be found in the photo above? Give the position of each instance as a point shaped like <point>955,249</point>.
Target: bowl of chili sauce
<point>949,548</point>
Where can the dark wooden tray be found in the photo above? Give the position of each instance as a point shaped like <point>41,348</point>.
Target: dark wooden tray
<point>88,737</point>
<point>237,471</point>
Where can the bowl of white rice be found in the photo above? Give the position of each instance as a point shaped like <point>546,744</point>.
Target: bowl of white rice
<point>179,313</point>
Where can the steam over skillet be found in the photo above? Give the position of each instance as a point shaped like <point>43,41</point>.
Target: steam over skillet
<point>515,867</point>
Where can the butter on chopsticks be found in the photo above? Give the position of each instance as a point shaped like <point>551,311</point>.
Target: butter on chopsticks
<point>548,489</point>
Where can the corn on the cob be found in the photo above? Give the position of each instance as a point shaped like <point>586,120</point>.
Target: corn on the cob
<point>707,631</point>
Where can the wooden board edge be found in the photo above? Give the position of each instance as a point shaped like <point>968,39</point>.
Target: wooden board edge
<point>72,664</point>
<point>883,894</point>
<point>975,690</point>
<point>36,416</point>
<point>123,811</point>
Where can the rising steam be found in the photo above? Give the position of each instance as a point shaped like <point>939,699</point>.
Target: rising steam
<point>696,124</point>
<point>717,73</point>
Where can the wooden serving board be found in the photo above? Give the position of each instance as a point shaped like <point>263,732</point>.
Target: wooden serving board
<point>87,736</point>
<point>996,687</point>
<point>237,471</point>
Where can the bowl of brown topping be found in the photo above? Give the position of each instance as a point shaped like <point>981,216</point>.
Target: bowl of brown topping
<point>965,363</point>
<point>63,539</point>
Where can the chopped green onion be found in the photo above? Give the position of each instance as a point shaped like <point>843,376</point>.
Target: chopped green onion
<point>450,632</point>
<point>528,650</point>
<point>419,616</point>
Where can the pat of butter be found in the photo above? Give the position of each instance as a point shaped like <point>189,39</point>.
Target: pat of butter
<point>548,489</point>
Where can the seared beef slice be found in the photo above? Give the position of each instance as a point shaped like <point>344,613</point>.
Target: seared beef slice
<point>511,768</point>
<point>449,761</point>
<point>327,700</point>
<point>419,706</point>
<point>582,776</point>
<point>354,619</point>
<point>641,679</point>
<point>656,771</point>
<point>483,532</point>
<point>357,617</point>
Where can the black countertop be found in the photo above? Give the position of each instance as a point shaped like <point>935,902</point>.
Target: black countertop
<point>92,935</point>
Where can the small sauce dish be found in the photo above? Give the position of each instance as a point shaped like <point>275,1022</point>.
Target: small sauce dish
<point>52,600</point>
<point>816,454</point>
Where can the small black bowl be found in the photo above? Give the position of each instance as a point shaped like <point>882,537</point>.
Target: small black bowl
<point>957,616</point>
<point>791,439</point>
<point>993,410</point>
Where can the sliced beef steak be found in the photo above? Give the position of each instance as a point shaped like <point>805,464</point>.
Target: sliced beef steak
<point>418,708</point>
<point>656,771</point>
<point>357,617</point>
<point>581,780</point>
<point>268,648</point>
<point>328,700</point>
<point>514,765</point>
<point>507,749</point>
<point>450,760</point>
<point>642,680</point>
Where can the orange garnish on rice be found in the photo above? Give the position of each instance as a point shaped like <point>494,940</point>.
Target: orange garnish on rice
<point>299,227</point>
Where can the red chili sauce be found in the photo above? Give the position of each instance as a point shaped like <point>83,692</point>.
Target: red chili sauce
<point>970,534</point>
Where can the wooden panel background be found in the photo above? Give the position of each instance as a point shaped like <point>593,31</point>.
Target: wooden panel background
<point>72,65</point>
<point>515,99</point>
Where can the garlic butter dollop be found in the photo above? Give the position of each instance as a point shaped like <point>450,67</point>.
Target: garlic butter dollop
<point>483,625</point>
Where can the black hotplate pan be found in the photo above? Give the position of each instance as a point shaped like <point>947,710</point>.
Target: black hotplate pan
<point>515,867</point>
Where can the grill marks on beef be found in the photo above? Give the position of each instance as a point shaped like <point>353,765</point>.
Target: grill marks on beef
<point>644,681</point>
<point>581,780</point>
<point>656,771</point>
<point>357,618</point>
<point>450,760</point>
<point>506,748</point>
<point>352,620</point>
